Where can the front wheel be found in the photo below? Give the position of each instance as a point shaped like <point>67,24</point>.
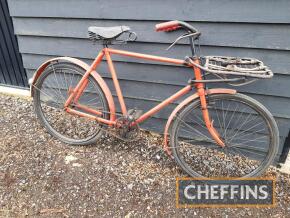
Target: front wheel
<point>247,128</point>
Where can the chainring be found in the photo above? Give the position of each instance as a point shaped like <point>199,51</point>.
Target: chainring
<point>125,130</point>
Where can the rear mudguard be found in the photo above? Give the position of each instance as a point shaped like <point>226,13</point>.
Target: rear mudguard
<point>86,67</point>
<point>181,105</point>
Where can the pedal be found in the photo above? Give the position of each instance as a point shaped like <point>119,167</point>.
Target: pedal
<point>134,114</point>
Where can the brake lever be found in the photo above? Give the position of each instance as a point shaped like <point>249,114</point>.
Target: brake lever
<point>182,37</point>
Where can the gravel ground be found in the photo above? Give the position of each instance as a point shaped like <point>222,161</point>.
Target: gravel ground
<point>42,177</point>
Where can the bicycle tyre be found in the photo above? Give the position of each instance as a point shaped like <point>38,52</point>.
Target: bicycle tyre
<point>252,103</point>
<point>77,71</point>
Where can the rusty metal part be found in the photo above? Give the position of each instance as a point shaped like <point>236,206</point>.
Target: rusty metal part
<point>125,131</point>
<point>249,67</point>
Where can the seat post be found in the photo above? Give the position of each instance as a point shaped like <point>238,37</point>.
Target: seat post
<point>192,46</point>
<point>105,43</point>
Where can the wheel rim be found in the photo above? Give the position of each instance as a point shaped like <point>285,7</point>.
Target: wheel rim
<point>53,91</point>
<point>245,130</point>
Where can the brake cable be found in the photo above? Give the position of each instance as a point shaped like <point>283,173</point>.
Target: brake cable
<point>182,37</point>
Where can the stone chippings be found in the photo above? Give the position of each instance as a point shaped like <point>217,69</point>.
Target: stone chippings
<point>40,176</point>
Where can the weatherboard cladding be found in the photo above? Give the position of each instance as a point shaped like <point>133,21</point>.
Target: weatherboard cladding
<point>46,29</point>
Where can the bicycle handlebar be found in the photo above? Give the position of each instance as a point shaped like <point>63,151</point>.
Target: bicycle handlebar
<point>192,33</point>
<point>167,26</point>
<point>174,25</point>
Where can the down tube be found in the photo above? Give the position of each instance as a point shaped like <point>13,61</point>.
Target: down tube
<point>163,104</point>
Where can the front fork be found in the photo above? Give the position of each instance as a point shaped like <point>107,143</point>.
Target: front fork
<point>206,117</point>
<point>205,114</point>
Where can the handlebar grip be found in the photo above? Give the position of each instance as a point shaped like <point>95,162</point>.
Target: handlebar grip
<point>167,26</point>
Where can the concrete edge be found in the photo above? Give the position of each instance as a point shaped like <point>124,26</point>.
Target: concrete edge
<point>14,91</point>
<point>285,168</point>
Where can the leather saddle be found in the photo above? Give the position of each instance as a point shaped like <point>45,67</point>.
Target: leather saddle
<point>106,33</point>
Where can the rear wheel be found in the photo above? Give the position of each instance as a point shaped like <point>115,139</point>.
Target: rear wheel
<point>248,129</point>
<point>50,93</point>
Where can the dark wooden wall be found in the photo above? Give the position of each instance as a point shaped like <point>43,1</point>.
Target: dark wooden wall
<point>248,28</point>
<point>12,72</point>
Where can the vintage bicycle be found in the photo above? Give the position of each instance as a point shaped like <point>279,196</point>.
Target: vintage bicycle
<point>212,132</point>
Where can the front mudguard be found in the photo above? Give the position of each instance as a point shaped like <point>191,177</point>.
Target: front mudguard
<point>183,104</point>
<point>86,67</point>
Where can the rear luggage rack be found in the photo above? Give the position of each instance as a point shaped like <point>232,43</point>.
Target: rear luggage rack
<point>247,67</point>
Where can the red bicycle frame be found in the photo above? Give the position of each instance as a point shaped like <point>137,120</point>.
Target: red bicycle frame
<point>106,52</point>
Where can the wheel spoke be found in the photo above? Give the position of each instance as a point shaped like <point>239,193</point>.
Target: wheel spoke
<point>195,130</point>
<point>58,82</point>
<point>239,121</point>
